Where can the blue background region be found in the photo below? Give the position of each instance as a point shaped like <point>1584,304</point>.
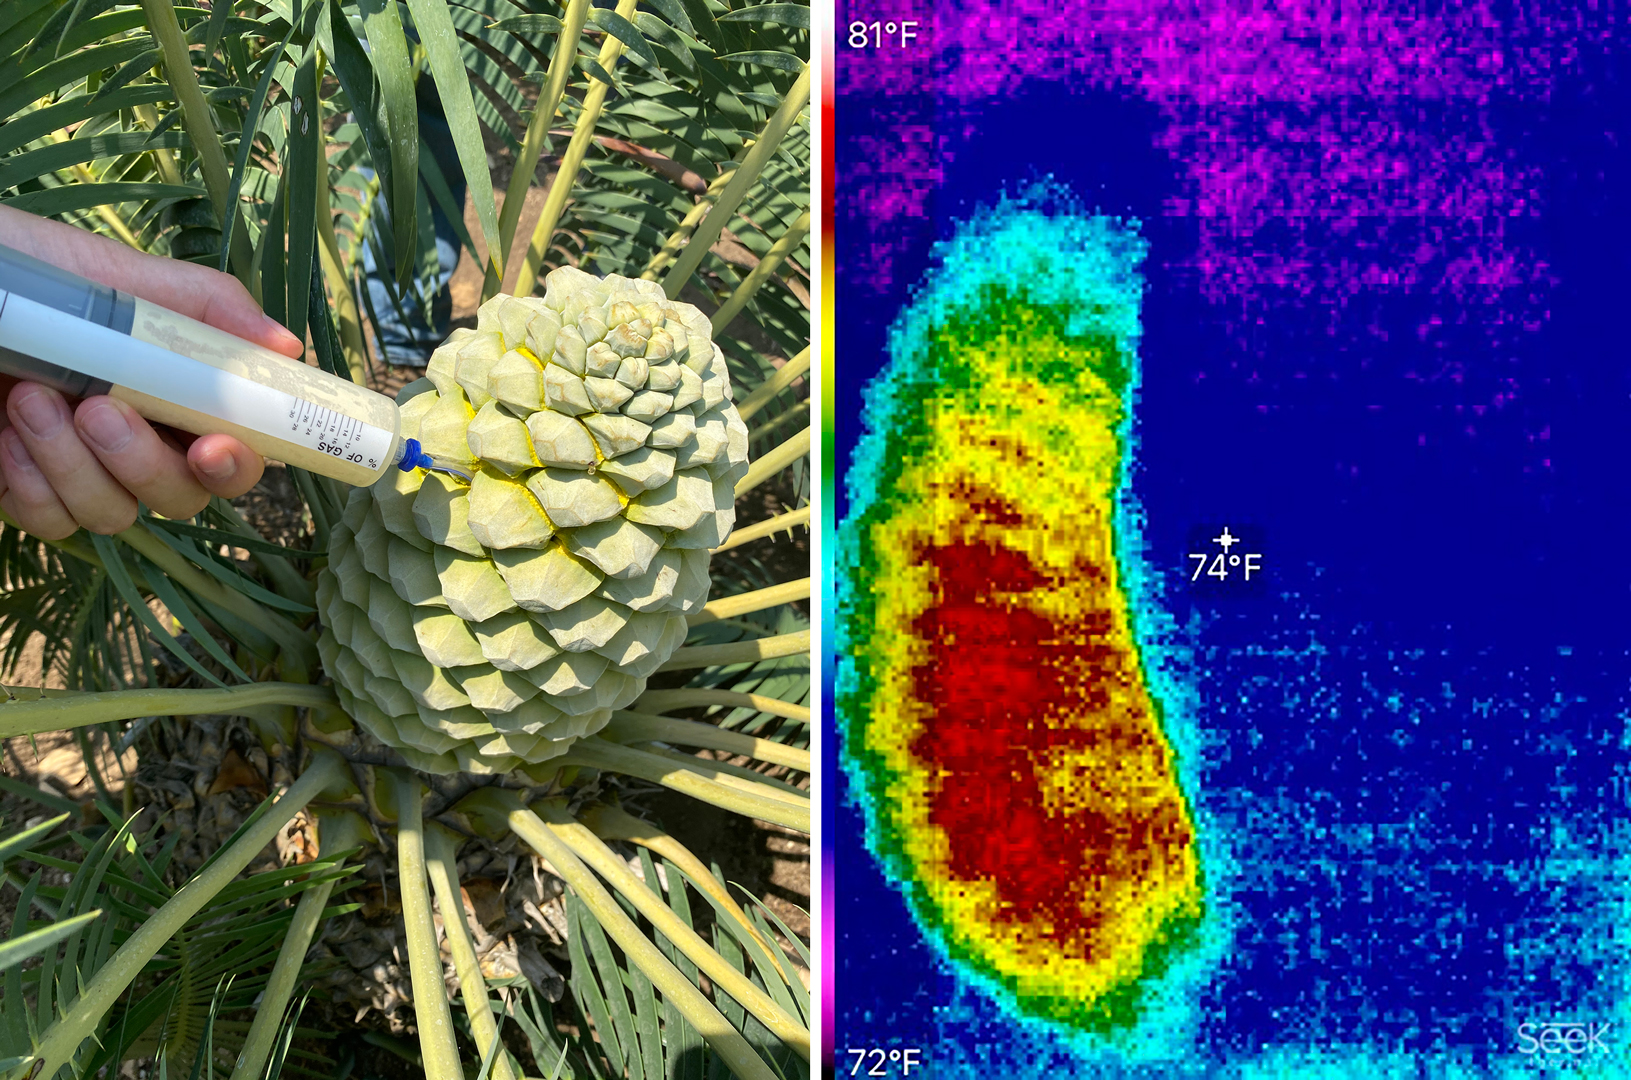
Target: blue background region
<point>1414,743</point>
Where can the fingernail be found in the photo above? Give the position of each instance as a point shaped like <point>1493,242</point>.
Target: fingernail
<point>219,468</point>
<point>39,410</point>
<point>18,452</point>
<point>277,329</point>
<point>104,425</point>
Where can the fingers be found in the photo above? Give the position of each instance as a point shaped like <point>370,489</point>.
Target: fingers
<point>219,300</point>
<point>55,482</point>
<point>195,291</point>
<point>138,459</point>
<point>224,466</point>
<point>173,483</point>
<point>29,499</point>
<point>60,471</point>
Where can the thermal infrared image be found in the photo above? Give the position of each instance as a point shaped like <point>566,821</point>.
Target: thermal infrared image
<point>1230,673</point>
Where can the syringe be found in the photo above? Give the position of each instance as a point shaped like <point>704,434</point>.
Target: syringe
<point>82,338</point>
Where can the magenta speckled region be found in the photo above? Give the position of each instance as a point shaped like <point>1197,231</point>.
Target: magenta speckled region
<point>1233,53</point>
<point>1411,190</point>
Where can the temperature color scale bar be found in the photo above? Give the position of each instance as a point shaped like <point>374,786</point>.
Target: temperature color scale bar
<point>826,45</point>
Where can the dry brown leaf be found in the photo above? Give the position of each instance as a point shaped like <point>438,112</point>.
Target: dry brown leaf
<point>484,899</point>
<point>236,773</point>
<point>297,841</point>
<point>730,249</point>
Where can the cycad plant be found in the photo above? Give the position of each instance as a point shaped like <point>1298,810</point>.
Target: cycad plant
<point>278,141</point>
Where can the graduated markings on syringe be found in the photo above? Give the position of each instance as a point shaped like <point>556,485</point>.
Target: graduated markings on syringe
<point>332,432</point>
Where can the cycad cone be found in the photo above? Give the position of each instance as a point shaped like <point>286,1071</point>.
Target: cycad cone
<point>487,626</point>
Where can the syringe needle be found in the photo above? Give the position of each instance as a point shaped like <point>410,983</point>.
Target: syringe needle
<point>425,462</point>
<point>412,457</point>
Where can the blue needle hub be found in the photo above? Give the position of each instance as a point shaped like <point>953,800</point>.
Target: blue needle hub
<point>413,457</point>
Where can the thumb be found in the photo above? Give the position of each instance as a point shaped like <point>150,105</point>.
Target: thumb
<point>217,299</point>
<point>195,291</point>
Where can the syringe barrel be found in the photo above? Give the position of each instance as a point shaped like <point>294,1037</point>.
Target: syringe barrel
<point>66,291</point>
<point>83,339</point>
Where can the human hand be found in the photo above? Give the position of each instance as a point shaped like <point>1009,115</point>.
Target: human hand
<point>66,463</point>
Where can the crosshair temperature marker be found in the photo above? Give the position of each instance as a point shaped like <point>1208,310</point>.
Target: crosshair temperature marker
<point>1224,565</point>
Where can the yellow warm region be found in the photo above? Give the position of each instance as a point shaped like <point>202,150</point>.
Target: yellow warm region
<point>1048,451</point>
